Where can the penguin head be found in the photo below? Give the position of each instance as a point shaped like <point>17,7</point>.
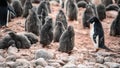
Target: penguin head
<point>59,23</point>
<point>93,19</point>
<point>12,33</point>
<point>70,29</point>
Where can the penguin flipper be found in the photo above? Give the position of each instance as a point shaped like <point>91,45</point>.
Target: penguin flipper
<point>11,10</point>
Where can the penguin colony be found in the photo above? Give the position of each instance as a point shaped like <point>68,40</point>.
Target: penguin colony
<point>40,24</point>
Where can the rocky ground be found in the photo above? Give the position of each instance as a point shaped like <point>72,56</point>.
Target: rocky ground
<point>81,57</point>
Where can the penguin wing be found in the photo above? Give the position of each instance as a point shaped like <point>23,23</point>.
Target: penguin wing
<point>94,37</point>
<point>10,8</point>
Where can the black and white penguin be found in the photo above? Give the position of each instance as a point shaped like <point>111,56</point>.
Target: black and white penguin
<point>5,9</point>
<point>97,34</point>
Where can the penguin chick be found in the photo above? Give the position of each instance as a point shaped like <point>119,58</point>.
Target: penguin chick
<point>5,42</point>
<point>46,34</point>
<point>58,30</point>
<point>32,23</point>
<point>71,10</point>
<point>112,7</point>
<point>31,37</point>
<point>101,10</point>
<point>66,42</point>
<point>82,4</point>
<point>115,26</point>
<point>88,13</point>
<point>26,7</point>
<point>17,7</point>
<point>21,41</point>
<point>62,18</point>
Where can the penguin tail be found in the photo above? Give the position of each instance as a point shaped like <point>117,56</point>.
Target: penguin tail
<point>108,49</point>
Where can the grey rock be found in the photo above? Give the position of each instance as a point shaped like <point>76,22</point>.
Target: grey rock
<point>2,59</point>
<point>11,58</point>
<point>12,50</point>
<point>41,62</point>
<point>39,66</point>
<point>56,65</point>
<point>69,65</point>
<point>2,52</point>
<point>72,59</point>
<point>3,65</point>
<point>11,64</point>
<point>81,66</point>
<point>49,67</point>
<point>100,59</point>
<point>43,54</point>
<point>97,65</point>
<point>22,62</point>
<point>108,59</point>
<point>56,61</point>
<point>112,64</point>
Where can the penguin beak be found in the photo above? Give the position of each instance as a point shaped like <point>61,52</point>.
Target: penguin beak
<point>12,10</point>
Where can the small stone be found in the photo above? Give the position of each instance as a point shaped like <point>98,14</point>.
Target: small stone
<point>23,62</point>
<point>97,65</point>
<point>2,52</point>
<point>39,66</point>
<point>81,66</point>
<point>112,64</point>
<point>108,59</point>
<point>69,65</point>
<point>43,54</point>
<point>57,61</point>
<point>41,62</point>
<point>72,59</point>
<point>3,65</point>
<point>12,50</point>
<point>2,59</point>
<point>57,65</point>
<point>11,58</point>
<point>100,59</point>
<point>11,64</point>
<point>49,67</point>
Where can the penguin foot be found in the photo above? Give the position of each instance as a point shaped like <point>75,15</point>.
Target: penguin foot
<point>96,50</point>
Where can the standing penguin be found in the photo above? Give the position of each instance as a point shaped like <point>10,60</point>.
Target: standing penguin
<point>115,26</point>
<point>97,34</point>
<point>88,13</point>
<point>67,40</point>
<point>71,10</point>
<point>4,12</point>
<point>46,34</point>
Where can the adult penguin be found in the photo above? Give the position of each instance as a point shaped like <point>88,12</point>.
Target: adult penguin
<point>4,12</point>
<point>97,34</point>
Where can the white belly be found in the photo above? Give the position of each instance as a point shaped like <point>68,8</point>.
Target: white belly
<point>91,35</point>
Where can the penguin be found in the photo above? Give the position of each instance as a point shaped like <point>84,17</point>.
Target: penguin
<point>113,7</point>
<point>5,9</point>
<point>115,26</point>
<point>97,34</point>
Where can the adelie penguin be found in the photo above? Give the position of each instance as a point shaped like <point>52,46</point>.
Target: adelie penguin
<point>67,40</point>
<point>115,26</point>
<point>32,23</point>
<point>58,30</point>
<point>46,34</point>
<point>101,10</point>
<point>62,18</point>
<point>26,7</point>
<point>71,10</point>
<point>97,34</point>
<point>5,9</point>
<point>88,13</point>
